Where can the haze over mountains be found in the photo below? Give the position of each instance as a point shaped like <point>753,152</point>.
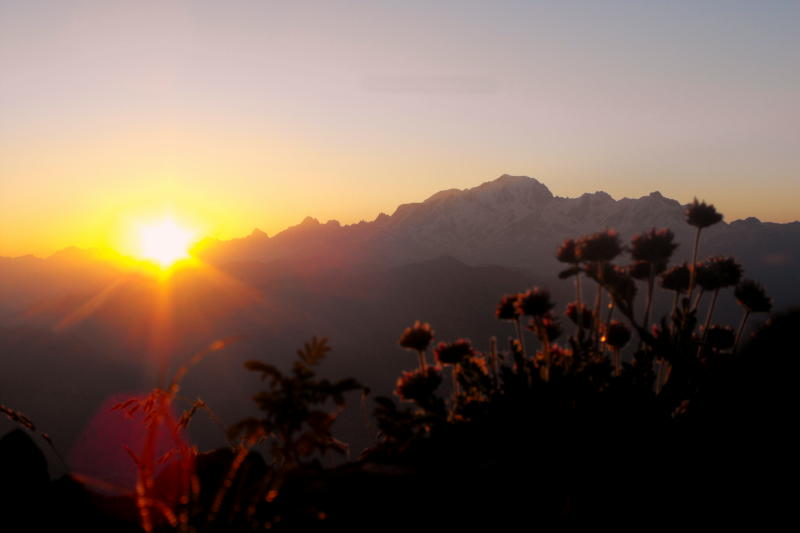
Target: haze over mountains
<point>446,260</point>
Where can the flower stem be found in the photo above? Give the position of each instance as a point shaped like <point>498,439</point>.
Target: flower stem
<point>693,274</point>
<point>597,304</point>
<point>650,281</point>
<point>423,364</point>
<point>699,298</point>
<point>493,351</point>
<point>546,368</point>
<point>659,375</point>
<point>520,337</point>
<point>741,330</point>
<point>579,306</point>
<point>710,314</point>
<point>454,375</point>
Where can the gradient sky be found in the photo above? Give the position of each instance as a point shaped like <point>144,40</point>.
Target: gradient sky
<point>241,114</point>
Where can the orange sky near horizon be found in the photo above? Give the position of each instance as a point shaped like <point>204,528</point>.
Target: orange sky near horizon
<point>254,115</point>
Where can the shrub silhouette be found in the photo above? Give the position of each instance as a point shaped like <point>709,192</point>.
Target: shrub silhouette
<point>294,420</point>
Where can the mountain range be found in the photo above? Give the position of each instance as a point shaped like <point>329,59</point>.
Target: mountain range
<point>512,221</point>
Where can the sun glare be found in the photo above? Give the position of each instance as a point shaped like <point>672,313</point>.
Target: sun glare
<point>164,242</point>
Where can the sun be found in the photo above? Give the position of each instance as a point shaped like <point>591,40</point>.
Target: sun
<point>164,242</point>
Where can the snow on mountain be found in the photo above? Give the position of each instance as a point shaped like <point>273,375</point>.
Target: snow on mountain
<point>514,221</point>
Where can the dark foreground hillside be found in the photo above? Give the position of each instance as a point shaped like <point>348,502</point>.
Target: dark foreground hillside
<point>607,459</point>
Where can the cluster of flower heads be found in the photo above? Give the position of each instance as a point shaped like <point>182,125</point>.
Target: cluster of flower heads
<point>419,385</point>
<point>597,335</point>
<point>533,302</point>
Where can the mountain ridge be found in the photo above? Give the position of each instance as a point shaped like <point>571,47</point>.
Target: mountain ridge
<point>514,192</point>
<point>508,221</point>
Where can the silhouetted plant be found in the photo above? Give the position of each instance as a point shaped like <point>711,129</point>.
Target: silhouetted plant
<point>534,302</point>
<point>651,251</point>
<point>669,363</point>
<point>156,410</point>
<point>599,247</point>
<point>508,310</point>
<point>579,314</point>
<point>754,299</point>
<point>700,215</point>
<point>616,337</point>
<point>720,338</point>
<point>295,422</point>
<point>417,338</point>
<point>419,386</point>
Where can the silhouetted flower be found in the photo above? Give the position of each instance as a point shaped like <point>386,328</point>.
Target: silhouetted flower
<point>617,281</point>
<point>586,314</point>
<point>417,337</point>
<point>559,355</point>
<point>566,252</point>
<point>534,302</point>
<point>622,289</point>
<point>453,353</point>
<point>569,272</point>
<point>418,385</point>
<point>507,309</point>
<point>707,276</point>
<point>480,363</point>
<point>730,272</point>
<point>617,334</point>
<point>654,246</point>
<point>642,269</point>
<point>550,326</point>
<point>718,272</point>
<point>720,337</point>
<point>702,215</point>
<point>753,297</point>
<point>676,278</point>
<point>603,246</point>
<point>597,271</point>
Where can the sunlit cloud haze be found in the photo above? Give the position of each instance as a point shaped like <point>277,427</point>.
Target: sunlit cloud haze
<point>234,115</point>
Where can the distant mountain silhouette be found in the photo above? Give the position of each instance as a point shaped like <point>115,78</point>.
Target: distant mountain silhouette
<point>516,222</point>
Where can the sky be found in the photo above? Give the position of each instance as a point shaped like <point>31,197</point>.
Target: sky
<point>242,114</point>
